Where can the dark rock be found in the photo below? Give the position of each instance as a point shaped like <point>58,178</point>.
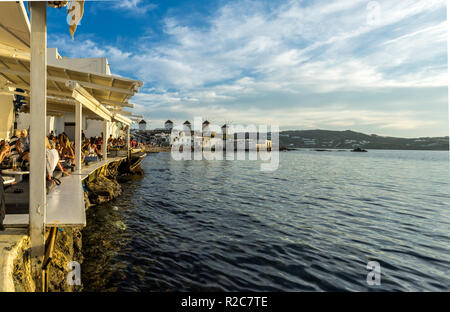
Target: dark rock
<point>103,189</point>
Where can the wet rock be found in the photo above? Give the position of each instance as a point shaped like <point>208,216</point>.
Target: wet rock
<point>120,225</point>
<point>87,202</point>
<point>23,281</point>
<point>67,248</point>
<point>102,190</point>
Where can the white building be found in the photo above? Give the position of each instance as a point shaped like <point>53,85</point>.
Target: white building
<point>59,123</point>
<point>142,125</point>
<point>168,125</point>
<point>309,141</point>
<point>205,126</point>
<point>187,125</point>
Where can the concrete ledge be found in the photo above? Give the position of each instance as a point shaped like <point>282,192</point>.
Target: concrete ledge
<point>12,241</point>
<point>16,221</point>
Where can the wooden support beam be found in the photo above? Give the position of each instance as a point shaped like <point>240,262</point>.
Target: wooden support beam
<point>117,103</point>
<point>38,83</point>
<point>122,119</point>
<point>109,93</point>
<point>78,127</point>
<point>6,68</point>
<point>130,93</point>
<point>68,94</point>
<point>50,246</point>
<point>83,97</point>
<point>13,34</point>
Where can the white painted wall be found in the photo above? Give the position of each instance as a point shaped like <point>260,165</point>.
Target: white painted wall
<point>90,127</point>
<point>55,124</point>
<point>98,65</point>
<point>23,121</point>
<point>94,128</point>
<point>6,116</point>
<point>58,127</point>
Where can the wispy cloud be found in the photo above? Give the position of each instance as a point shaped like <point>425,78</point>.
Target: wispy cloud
<point>250,57</point>
<point>134,6</point>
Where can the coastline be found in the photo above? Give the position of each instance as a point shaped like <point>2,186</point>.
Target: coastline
<point>157,149</point>
<point>100,186</point>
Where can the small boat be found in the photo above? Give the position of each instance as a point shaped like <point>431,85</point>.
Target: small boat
<point>358,149</point>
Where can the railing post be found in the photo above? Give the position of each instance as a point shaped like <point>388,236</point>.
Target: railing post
<point>105,140</point>
<point>78,122</point>
<point>38,85</point>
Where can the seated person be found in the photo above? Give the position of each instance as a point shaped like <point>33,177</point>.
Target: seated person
<point>85,144</point>
<point>52,158</point>
<point>23,146</point>
<point>13,143</point>
<point>65,149</point>
<point>92,153</point>
<point>5,150</point>
<point>110,139</point>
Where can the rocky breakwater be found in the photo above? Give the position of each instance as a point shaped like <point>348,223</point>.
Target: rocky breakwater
<point>102,190</point>
<point>67,248</point>
<point>100,187</point>
<point>104,187</point>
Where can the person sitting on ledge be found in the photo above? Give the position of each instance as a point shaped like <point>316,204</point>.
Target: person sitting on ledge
<point>52,158</point>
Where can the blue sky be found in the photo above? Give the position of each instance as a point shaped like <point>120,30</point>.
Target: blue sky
<point>375,67</point>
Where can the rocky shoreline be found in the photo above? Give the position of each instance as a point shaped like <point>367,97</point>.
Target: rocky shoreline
<point>99,189</point>
<point>158,149</point>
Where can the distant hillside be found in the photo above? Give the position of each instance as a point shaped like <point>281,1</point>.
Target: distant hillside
<point>350,139</point>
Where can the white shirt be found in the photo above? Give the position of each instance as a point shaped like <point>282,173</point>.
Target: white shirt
<point>52,160</point>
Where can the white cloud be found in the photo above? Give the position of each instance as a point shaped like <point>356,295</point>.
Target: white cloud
<point>249,51</point>
<point>135,6</point>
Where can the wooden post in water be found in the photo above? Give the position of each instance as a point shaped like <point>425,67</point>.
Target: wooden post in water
<point>78,143</point>
<point>105,140</point>
<point>38,107</point>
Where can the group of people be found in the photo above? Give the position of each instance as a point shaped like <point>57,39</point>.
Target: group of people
<point>59,147</point>
<point>60,154</point>
<point>121,143</point>
<point>90,148</point>
<point>116,143</point>
<point>17,149</point>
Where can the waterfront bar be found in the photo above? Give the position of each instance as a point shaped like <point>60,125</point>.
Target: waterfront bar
<point>51,90</point>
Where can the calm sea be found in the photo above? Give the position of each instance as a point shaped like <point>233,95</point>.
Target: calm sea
<point>313,224</point>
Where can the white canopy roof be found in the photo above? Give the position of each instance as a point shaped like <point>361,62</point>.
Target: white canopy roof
<point>103,90</point>
<point>14,27</point>
<point>112,93</point>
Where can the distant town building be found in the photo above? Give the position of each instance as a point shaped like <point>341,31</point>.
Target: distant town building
<point>142,125</point>
<point>187,125</point>
<point>205,124</point>
<point>307,141</point>
<point>264,145</point>
<point>168,125</point>
<point>226,132</point>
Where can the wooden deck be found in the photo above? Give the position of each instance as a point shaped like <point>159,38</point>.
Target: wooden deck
<point>65,203</point>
